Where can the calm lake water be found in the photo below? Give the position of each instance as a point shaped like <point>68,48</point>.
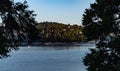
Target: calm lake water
<point>46,58</point>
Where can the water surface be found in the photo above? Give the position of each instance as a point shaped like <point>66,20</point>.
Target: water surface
<point>46,58</point>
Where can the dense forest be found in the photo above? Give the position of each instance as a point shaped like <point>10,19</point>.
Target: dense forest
<point>58,32</point>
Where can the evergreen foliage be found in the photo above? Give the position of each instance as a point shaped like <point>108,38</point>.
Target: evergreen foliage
<point>17,21</point>
<point>102,23</point>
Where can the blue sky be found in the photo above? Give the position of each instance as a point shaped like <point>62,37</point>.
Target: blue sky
<point>63,11</point>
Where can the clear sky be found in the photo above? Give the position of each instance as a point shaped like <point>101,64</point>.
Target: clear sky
<point>63,11</point>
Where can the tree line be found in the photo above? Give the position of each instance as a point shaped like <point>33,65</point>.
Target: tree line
<point>59,32</point>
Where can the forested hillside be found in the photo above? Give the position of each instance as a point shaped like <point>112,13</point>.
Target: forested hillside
<point>58,32</point>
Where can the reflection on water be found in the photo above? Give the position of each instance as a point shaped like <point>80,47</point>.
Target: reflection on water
<point>46,58</point>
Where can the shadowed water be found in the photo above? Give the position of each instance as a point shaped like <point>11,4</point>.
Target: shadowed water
<point>46,58</point>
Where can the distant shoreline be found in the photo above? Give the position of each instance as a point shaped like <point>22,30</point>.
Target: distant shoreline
<point>56,43</point>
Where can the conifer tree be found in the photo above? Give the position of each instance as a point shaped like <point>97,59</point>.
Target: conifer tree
<point>17,21</point>
<point>102,23</point>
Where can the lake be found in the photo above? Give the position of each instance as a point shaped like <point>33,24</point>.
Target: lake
<point>47,58</point>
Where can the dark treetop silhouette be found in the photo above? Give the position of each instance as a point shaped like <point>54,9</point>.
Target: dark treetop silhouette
<point>17,21</point>
<point>102,22</point>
